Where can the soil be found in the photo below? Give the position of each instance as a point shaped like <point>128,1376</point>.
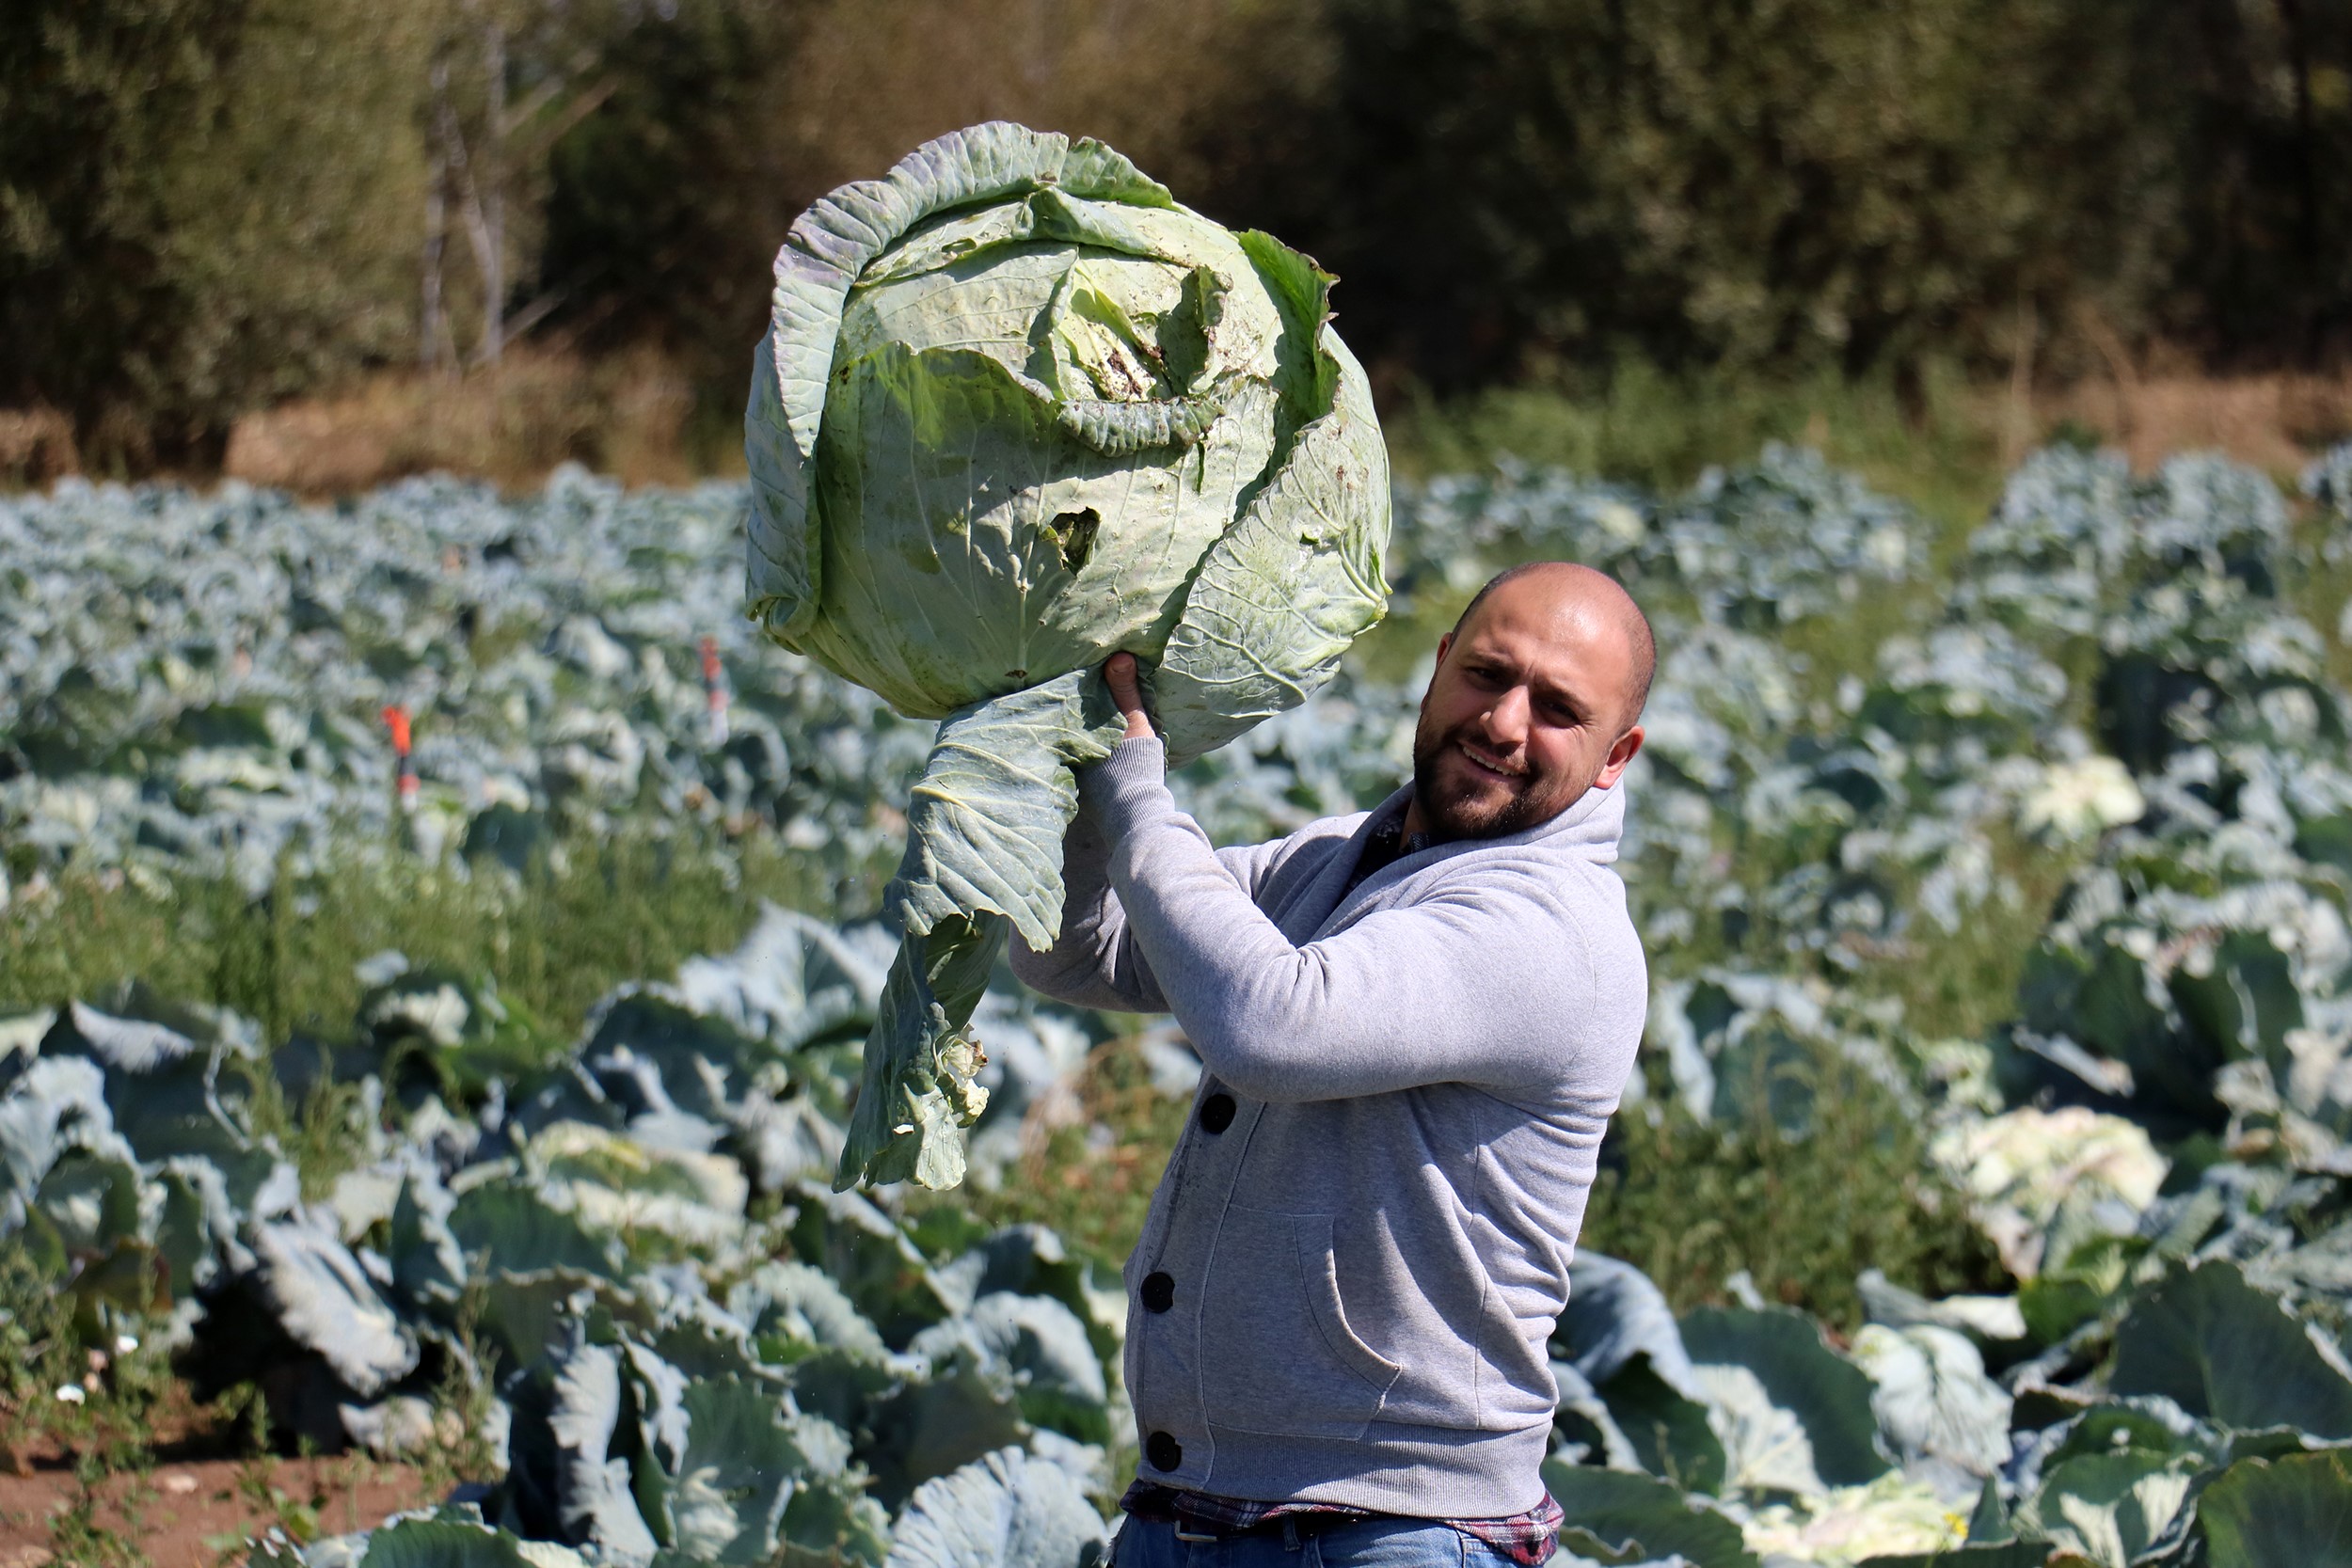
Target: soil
<point>197,1512</point>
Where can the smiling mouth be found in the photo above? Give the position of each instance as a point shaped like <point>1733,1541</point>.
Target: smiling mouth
<point>1494,766</point>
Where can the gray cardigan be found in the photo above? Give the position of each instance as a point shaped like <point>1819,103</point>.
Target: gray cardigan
<point>1350,1269</point>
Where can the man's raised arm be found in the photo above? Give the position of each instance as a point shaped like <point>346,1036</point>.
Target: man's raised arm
<point>1488,990</point>
<point>1094,962</point>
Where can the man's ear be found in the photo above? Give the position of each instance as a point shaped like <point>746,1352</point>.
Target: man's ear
<point>1619,755</point>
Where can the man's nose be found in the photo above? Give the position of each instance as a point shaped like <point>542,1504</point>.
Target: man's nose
<point>1506,719</point>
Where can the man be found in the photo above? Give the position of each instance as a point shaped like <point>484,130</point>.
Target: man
<point>1414,1023</point>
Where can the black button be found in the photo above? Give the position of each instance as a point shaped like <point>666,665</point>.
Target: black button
<point>1217,1113</point>
<point>1164,1452</point>
<point>1159,1291</point>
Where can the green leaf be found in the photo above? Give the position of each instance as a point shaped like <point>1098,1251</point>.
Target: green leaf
<point>444,1543</point>
<point>830,245</point>
<point>984,837</point>
<point>504,1220</point>
<point>328,1304</point>
<point>1620,1508</point>
<point>1615,1314</point>
<point>2244,1001</point>
<point>739,1468</point>
<point>1281,597</point>
<point>598,1458</point>
<point>1933,1400</point>
<point>964,1411</point>
<point>849,1238</point>
<point>2010,1553</point>
<point>2289,1513</point>
<point>1989,1525</point>
<point>1583,1545</point>
<point>93,1202</point>
<point>1040,1349</point>
<point>1006,1510</point>
<point>794,1302</point>
<point>1667,1429</point>
<point>2219,1348</point>
<point>1829,1395</point>
<point>2109,1506</point>
<point>985,824</point>
<point>920,1090</point>
<point>837,1525</point>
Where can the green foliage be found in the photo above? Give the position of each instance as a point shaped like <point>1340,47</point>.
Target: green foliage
<point>554,940</point>
<point>463,1404</point>
<point>1691,1204</point>
<point>1089,1176</point>
<point>1808,183</point>
<point>118,1379</point>
<point>667,201</point>
<point>78,1535</point>
<point>1926,441</point>
<point>206,204</point>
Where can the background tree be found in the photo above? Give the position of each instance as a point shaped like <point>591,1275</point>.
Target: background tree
<point>203,204</point>
<point>207,205</point>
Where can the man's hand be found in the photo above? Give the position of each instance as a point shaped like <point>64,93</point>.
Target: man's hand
<point>1119,673</point>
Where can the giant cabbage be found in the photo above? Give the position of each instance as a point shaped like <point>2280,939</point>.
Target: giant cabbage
<point>1018,411</point>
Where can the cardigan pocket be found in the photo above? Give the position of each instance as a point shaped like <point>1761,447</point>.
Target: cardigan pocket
<point>1277,1355</point>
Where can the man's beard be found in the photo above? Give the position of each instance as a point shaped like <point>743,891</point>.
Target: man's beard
<point>1450,817</point>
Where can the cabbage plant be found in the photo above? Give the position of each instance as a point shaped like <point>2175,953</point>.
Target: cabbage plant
<point>1020,410</point>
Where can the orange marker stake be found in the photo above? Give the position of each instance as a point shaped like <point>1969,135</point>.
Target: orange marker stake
<point>396,719</point>
<point>715,691</point>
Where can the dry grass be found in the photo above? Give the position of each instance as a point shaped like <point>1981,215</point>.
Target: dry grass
<point>635,416</point>
<point>36,447</point>
<point>2273,422</point>
<point>510,422</point>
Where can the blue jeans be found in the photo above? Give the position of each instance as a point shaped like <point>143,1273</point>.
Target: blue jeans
<point>1358,1543</point>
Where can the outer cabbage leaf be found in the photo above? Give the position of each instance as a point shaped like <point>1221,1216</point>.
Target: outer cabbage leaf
<point>1006,1510</point>
<point>2009,1554</point>
<point>451,1544</point>
<point>1828,1394</point>
<point>1289,587</point>
<point>796,1302</point>
<point>1041,1346</point>
<point>984,838</point>
<point>2219,1347</point>
<point>328,1304</point>
<point>1623,1511</point>
<point>2281,1513</point>
<point>1934,1399</point>
<point>2109,1506</point>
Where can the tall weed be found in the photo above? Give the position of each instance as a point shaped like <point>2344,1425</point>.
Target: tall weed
<point>1694,1204</point>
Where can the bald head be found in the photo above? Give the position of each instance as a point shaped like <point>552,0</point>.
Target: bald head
<point>1566,587</point>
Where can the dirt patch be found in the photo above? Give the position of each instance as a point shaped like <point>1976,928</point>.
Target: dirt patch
<point>195,1513</point>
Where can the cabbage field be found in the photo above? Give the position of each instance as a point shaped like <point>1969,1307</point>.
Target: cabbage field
<point>2032,836</point>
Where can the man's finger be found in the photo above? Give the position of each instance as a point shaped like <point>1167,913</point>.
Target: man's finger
<point>1119,673</point>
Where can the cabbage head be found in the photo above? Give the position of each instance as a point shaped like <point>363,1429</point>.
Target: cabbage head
<point>1019,410</point>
